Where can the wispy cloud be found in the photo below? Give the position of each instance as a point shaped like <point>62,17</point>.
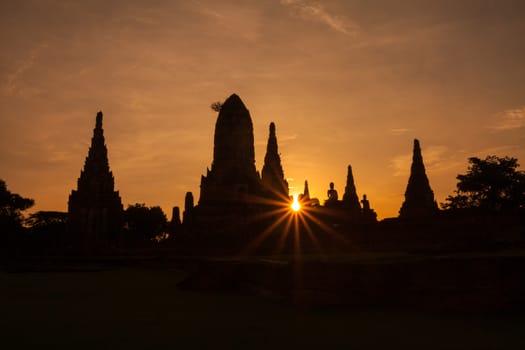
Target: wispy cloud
<point>13,83</point>
<point>313,11</point>
<point>401,164</point>
<point>398,131</point>
<point>281,139</point>
<point>509,119</point>
<point>287,137</point>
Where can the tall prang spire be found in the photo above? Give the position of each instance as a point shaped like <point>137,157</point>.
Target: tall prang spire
<point>233,142</point>
<point>96,175</point>
<point>272,172</point>
<point>419,197</point>
<point>233,175</point>
<point>350,198</point>
<point>95,208</point>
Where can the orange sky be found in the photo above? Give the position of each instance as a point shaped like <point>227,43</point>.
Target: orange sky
<point>346,82</point>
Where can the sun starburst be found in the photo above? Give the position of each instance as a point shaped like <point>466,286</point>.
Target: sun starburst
<point>296,206</point>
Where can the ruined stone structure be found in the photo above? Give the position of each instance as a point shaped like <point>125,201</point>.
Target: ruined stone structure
<point>233,176</point>
<point>188,208</point>
<point>350,198</point>
<point>95,209</point>
<point>274,183</point>
<point>231,192</point>
<point>419,197</point>
<point>175,217</point>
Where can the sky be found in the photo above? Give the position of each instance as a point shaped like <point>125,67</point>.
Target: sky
<point>347,82</point>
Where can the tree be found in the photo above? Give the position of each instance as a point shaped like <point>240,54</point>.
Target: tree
<point>47,222</point>
<point>492,184</point>
<point>47,230</point>
<point>11,219</point>
<point>11,207</point>
<point>46,219</point>
<point>145,223</point>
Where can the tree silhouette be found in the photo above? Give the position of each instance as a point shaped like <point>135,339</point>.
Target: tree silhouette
<point>11,207</point>
<point>47,230</point>
<point>47,222</point>
<point>492,184</point>
<point>145,223</point>
<point>45,219</point>
<point>11,219</point>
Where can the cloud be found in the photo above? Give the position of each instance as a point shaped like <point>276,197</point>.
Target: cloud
<point>287,137</point>
<point>510,119</point>
<point>14,84</point>
<point>316,12</point>
<point>281,139</point>
<point>399,131</point>
<point>401,164</point>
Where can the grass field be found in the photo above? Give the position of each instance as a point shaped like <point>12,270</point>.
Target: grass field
<point>140,308</point>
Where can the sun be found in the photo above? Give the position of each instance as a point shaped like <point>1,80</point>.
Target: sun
<point>296,206</point>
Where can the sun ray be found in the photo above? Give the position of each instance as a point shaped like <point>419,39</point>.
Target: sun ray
<point>282,239</point>
<point>297,238</point>
<point>324,227</point>
<point>311,234</point>
<point>297,255</point>
<point>262,236</point>
<point>292,223</point>
<point>273,212</point>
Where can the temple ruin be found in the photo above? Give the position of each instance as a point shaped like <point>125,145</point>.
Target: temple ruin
<point>274,183</point>
<point>233,176</point>
<point>95,209</point>
<point>419,197</point>
<point>350,198</point>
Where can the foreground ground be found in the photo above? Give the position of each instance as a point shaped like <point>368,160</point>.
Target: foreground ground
<point>143,308</point>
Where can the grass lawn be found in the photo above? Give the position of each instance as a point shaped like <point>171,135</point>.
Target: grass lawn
<point>140,308</point>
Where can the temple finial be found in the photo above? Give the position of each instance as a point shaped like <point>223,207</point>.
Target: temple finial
<point>417,148</point>
<point>272,128</point>
<point>98,124</point>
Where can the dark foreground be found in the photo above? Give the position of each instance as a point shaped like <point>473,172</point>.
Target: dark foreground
<point>132,307</point>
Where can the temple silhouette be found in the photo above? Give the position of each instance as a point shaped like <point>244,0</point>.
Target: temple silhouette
<point>95,209</point>
<point>419,197</point>
<point>238,204</point>
<point>273,180</point>
<point>350,198</point>
<point>233,176</point>
<point>230,186</point>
